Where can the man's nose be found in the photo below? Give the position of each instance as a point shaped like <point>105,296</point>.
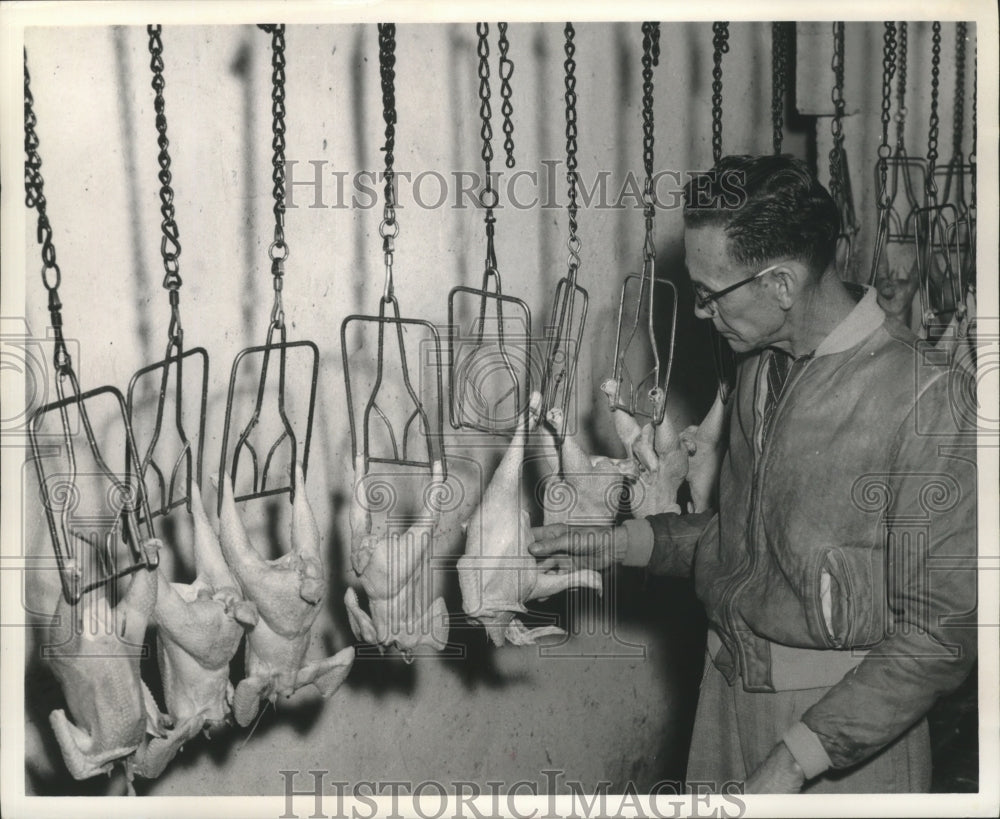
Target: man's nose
<point>706,312</point>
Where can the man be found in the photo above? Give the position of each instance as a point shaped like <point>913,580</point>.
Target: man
<point>838,574</point>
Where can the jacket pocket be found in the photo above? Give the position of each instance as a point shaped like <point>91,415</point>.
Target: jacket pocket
<point>834,598</point>
<point>848,598</point>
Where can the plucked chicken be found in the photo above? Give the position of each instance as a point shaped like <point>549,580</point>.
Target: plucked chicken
<point>395,571</point>
<point>116,719</point>
<point>96,662</point>
<point>896,281</point>
<point>497,573</point>
<point>200,626</point>
<point>288,593</point>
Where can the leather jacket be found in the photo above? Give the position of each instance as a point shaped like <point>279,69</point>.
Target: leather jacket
<point>849,527</point>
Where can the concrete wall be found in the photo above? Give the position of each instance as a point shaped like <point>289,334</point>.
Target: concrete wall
<point>613,702</point>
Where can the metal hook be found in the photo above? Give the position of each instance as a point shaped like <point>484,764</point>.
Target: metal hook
<point>935,231</point>
<point>191,455</point>
<point>259,482</point>
<point>472,369</point>
<point>127,515</point>
<point>435,451</point>
<point>643,387</point>
<point>565,332</point>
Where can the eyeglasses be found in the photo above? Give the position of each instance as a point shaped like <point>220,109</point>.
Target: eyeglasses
<point>706,299</point>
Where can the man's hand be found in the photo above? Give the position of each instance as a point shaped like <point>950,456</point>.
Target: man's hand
<point>779,773</point>
<point>590,547</point>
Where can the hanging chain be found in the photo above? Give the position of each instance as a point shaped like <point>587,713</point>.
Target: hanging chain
<point>958,127</point>
<point>34,197</point>
<point>505,72</point>
<point>901,90</point>
<point>720,46</point>
<point>837,186</point>
<point>650,58</point>
<point>389,228</point>
<point>278,252</point>
<point>170,245</point>
<point>573,243</point>
<point>888,69</point>
<point>972,155</point>
<point>490,198</point>
<point>932,136</point>
<point>779,73</point>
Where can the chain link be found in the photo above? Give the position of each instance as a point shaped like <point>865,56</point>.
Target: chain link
<point>279,249</point>
<point>505,72</point>
<point>389,228</point>
<point>170,245</point>
<point>34,197</point>
<point>650,58</point>
<point>958,128</point>
<point>648,61</point>
<point>779,72</point>
<point>489,199</point>
<point>571,147</point>
<point>888,69</point>
<point>972,155</point>
<point>901,89</point>
<point>932,136</point>
<point>720,46</point>
<point>837,186</point>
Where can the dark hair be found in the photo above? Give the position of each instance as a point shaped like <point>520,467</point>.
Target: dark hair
<point>769,207</point>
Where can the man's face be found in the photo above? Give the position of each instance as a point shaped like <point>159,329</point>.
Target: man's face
<point>749,317</point>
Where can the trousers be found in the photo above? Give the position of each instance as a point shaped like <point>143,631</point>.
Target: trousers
<point>735,730</point>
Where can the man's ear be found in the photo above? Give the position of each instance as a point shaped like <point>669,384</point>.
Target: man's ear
<point>788,280</point>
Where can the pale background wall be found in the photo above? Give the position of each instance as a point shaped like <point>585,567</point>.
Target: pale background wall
<point>497,714</point>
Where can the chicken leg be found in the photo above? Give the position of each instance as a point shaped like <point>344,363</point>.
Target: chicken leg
<point>636,440</point>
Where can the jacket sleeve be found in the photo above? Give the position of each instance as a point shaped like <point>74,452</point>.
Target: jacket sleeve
<point>666,543</point>
<point>928,598</point>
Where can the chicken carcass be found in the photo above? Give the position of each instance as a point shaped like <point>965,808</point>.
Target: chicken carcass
<point>636,439</point>
<point>592,483</point>
<point>395,572</point>
<point>497,574</point>
<point>200,626</point>
<point>97,666</point>
<point>705,443</point>
<point>897,280</point>
<point>288,593</point>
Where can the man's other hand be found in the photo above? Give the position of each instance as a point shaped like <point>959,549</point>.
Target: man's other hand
<point>779,773</point>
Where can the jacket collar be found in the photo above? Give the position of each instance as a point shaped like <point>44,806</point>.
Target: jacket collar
<point>861,322</point>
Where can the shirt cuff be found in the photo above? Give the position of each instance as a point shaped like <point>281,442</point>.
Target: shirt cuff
<point>807,750</point>
<point>637,548</point>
